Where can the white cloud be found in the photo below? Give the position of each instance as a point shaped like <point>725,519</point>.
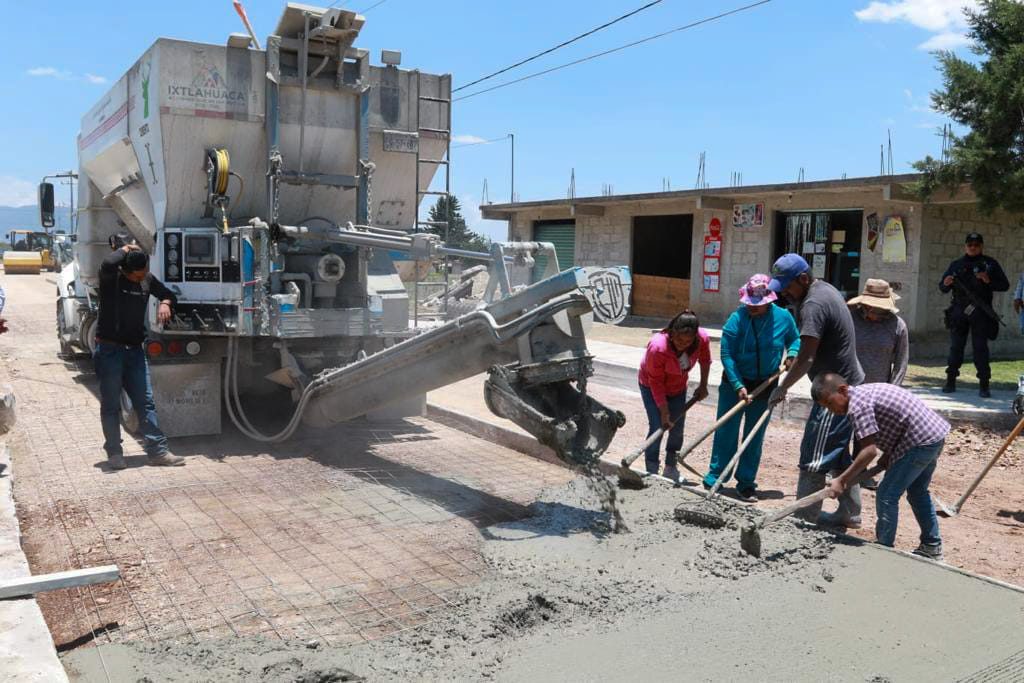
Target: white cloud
<point>61,75</point>
<point>16,192</point>
<point>945,41</point>
<point>909,93</point>
<point>467,139</point>
<point>944,18</point>
<point>48,72</point>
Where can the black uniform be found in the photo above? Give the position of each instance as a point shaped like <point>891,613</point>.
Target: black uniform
<point>123,303</point>
<point>966,319</point>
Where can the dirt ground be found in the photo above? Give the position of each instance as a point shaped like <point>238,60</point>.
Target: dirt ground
<point>987,537</point>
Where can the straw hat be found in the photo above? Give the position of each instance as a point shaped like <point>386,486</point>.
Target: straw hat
<point>877,294</point>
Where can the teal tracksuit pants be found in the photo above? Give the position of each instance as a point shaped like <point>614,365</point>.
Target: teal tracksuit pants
<point>727,439</point>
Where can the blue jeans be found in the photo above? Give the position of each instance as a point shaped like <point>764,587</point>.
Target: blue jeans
<point>727,439</point>
<point>911,474</point>
<point>675,435</point>
<point>118,367</point>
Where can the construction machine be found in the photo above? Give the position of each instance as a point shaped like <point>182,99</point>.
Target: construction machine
<point>30,253</point>
<point>275,189</point>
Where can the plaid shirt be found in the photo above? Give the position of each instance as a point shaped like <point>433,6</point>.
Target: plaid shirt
<point>896,418</point>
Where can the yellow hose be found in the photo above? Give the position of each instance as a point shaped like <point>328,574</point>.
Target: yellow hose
<point>222,164</point>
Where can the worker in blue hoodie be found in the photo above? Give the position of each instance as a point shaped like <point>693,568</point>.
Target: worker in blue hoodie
<point>754,340</point>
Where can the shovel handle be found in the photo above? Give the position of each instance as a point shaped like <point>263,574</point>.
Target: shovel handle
<point>821,495</point>
<point>727,472</point>
<point>631,458</point>
<point>728,416</point>
<point>991,463</point>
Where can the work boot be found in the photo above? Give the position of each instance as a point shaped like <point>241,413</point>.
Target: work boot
<point>950,385</point>
<point>672,472</point>
<point>166,460</point>
<point>983,389</point>
<point>836,520</point>
<point>116,461</point>
<point>932,552</point>
<point>748,494</point>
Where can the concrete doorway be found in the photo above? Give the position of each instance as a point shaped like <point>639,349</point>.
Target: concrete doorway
<point>662,249</point>
<point>830,241</point>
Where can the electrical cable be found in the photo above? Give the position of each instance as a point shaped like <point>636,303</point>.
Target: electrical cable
<point>648,39</point>
<point>559,46</point>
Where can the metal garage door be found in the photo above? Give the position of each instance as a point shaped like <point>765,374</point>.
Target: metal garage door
<point>563,235</point>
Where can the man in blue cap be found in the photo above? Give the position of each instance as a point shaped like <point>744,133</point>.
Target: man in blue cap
<point>827,344</point>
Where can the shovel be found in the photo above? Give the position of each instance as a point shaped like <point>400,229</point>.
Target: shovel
<point>750,536</point>
<point>629,479</point>
<point>704,512</point>
<point>947,511</point>
<point>727,416</point>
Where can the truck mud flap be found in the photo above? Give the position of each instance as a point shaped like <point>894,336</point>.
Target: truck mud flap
<point>558,414</point>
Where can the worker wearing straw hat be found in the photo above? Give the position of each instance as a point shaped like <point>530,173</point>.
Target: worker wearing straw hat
<point>754,340</point>
<point>883,346</point>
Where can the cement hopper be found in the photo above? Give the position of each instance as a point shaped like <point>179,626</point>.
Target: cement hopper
<point>143,147</point>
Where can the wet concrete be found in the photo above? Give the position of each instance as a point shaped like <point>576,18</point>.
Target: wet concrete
<point>568,599</point>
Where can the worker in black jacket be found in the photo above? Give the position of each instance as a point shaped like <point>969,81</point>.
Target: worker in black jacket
<point>972,278</point>
<point>120,357</point>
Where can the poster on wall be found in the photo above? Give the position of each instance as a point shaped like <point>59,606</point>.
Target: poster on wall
<point>894,241</point>
<point>872,221</point>
<point>746,216</point>
<point>818,266</point>
<point>712,255</point>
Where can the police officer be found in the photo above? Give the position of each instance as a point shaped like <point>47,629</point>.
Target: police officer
<point>972,278</point>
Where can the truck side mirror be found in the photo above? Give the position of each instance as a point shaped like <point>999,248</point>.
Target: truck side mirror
<point>46,218</point>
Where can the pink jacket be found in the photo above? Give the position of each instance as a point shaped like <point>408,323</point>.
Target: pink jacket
<point>662,371</point>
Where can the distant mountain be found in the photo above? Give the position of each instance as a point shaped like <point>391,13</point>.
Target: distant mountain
<point>27,218</point>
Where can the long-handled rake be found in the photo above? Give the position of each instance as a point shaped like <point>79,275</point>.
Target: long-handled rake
<point>704,512</point>
<point>629,479</point>
<point>947,511</point>
<point>761,388</point>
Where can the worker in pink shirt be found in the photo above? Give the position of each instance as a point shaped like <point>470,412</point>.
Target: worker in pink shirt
<point>664,372</point>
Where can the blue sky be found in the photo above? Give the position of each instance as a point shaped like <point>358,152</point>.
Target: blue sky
<point>790,84</point>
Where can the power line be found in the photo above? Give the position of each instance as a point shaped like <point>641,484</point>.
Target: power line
<point>648,39</point>
<point>376,4</point>
<point>559,46</point>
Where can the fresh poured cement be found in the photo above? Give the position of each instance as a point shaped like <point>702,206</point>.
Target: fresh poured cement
<point>568,599</point>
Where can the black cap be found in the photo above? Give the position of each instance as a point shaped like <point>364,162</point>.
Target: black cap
<point>974,237</point>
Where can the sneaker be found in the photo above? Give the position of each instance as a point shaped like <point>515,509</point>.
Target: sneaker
<point>835,520</point>
<point>748,494</point>
<point>166,460</point>
<point>950,386</point>
<point>932,552</point>
<point>672,472</point>
<point>116,462</point>
<point>871,484</point>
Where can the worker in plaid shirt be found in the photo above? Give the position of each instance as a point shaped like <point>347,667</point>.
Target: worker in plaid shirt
<point>910,436</point>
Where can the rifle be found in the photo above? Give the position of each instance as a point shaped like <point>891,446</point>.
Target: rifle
<point>976,302</point>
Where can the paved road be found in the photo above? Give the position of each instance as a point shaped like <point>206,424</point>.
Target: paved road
<point>343,535</point>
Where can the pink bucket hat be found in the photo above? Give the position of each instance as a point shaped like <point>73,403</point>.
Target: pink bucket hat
<point>756,292</point>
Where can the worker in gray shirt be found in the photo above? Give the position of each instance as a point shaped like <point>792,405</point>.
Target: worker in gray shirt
<point>883,344</point>
<point>827,344</point>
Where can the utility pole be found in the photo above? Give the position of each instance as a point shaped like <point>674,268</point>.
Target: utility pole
<point>512,193</point>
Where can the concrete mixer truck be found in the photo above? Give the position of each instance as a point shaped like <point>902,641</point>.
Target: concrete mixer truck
<point>275,188</point>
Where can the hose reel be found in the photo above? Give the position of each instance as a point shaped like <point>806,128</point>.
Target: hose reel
<point>218,172</point>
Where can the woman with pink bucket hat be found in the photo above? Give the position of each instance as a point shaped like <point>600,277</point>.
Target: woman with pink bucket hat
<point>754,340</point>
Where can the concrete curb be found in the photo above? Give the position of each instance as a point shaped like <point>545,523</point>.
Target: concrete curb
<point>796,407</point>
<point>502,436</point>
<point>27,652</point>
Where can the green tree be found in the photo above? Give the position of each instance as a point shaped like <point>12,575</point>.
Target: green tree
<point>987,97</point>
<point>458,234</point>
